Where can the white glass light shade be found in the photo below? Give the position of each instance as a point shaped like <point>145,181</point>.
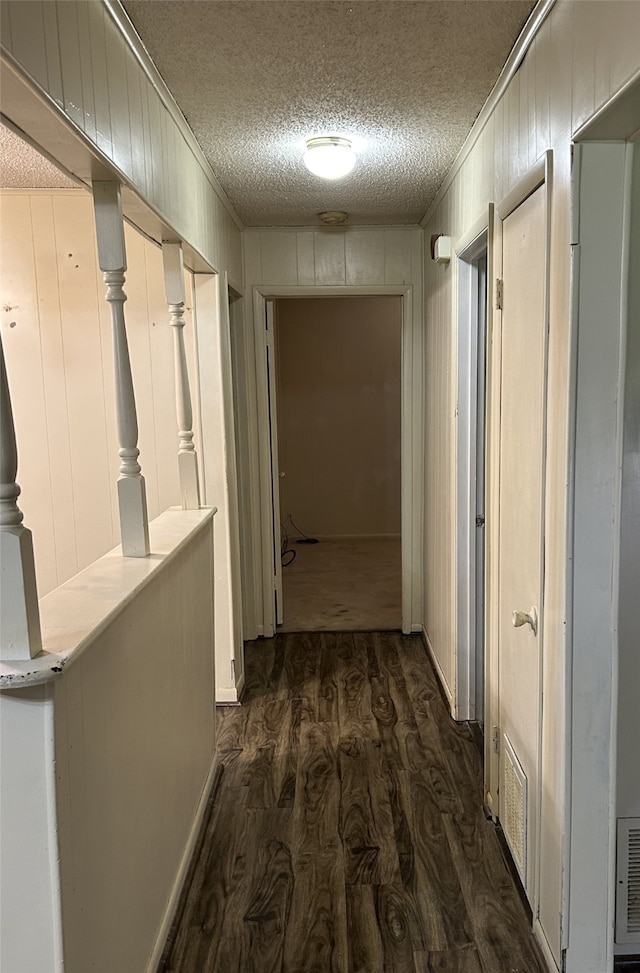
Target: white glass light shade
<point>329,157</point>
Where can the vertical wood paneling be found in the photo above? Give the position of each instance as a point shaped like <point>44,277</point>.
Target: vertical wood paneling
<point>86,72</point>
<point>21,340</point>
<point>560,82</point>
<point>583,60</point>
<point>364,257</point>
<point>70,60</point>
<point>279,257</point>
<point>145,92</point>
<point>78,283</point>
<point>624,48</point>
<point>252,253</point>
<point>306,257</point>
<point>542,81</point>
<point>118,98</point>
<point>96,16</point>
<point>523,118</point>
<point>397,257</point>
<point>137,122</point>
<point>330,257</point>
<point>55,391</point>
<point>54,67</point>
<point>28,38</point>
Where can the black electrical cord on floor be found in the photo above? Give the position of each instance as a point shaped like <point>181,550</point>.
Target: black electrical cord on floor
<point>304,538</point>
<point>287,554</point>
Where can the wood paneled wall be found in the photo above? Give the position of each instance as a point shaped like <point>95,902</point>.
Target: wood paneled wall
<point>84,62</point>
<point>56,330</point>
<point>326,258</point>
<point>582,55</point>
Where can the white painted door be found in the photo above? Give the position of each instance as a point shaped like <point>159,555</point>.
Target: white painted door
<point>524,325</point>
<point>275,466</point>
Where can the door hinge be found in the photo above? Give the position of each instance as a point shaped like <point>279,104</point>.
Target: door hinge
<point>495,738</point>
<point>479,521</point>
<point>499,293</point>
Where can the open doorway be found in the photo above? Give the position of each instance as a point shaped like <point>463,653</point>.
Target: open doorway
<point>338,393</point>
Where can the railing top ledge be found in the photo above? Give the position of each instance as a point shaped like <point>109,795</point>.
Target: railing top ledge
<point>74,615</point>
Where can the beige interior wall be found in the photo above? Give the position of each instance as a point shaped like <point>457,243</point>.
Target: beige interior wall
<point>583,54</point>
<point>338,400</point>
<point>56,332</point>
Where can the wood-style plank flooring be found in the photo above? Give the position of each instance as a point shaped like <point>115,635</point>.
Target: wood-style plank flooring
<point>347,833</point>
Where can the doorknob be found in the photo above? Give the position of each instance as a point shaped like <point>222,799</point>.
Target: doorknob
<point>526,618</point>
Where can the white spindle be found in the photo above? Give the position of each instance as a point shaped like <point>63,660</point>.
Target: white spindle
<point>19,614</point>
<point>187,456</point>
<point>132,497</point>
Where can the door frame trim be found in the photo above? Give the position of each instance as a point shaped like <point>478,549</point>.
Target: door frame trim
<point>468,248</point>
<point>411,447</point>
<point>593,542</point>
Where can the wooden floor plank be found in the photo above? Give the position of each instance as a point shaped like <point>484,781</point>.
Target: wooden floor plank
<point>316,937</point>
<point>366,952</point>
<point>347,833</point>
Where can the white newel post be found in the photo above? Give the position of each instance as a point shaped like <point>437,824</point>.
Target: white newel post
<point>19,611</point>
<point>187,456</point>
<point>132,497</point>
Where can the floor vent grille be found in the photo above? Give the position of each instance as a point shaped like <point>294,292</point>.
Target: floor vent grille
<point>628,881</point>
<point>514,808</point>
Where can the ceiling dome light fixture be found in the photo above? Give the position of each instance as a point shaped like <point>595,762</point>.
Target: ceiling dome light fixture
<point>329,157</point>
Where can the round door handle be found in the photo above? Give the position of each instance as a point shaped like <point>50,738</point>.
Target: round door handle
<point>526,618</point>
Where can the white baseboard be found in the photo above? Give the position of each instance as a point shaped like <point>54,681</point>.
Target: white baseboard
<point>437,667</point>
<point>185,861</point>
<point>545,949</point>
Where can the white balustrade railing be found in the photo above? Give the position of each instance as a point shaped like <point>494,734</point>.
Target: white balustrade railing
<point>187,456</point>
<point>132,498</point>
<point>19,613</point>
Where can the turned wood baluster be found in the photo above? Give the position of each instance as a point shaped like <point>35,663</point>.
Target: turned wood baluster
<point>187,456</point>
<point>20,616</point>
<point>132,498</point>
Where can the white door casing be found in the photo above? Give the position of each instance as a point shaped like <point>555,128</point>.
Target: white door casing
<point>275,460</point>
<point>411,446</point>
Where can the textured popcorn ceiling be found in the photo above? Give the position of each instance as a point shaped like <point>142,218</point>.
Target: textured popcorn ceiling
<point>22,167</point>
<point>405,80</point>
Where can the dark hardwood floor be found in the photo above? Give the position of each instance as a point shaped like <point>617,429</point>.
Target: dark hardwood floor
<point>347,833</point>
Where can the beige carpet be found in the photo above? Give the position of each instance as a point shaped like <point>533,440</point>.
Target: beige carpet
<point>343,584</point>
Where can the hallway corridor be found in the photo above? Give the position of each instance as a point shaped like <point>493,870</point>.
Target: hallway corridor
<point>347,832</point>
